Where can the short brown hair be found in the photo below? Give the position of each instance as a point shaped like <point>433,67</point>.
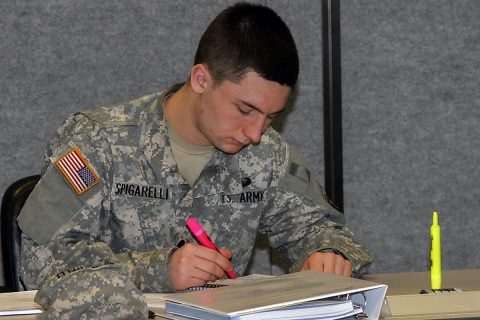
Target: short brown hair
<point>249,37</point>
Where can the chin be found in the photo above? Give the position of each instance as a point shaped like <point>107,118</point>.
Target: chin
<point>230,149</point>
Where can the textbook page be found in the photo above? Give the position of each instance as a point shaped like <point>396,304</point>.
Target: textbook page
<point>157,300</point>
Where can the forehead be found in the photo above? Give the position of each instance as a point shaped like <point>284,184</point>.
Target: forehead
<point>265,95</point>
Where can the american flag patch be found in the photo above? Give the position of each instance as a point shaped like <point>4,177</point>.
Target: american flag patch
<point>77,171</point>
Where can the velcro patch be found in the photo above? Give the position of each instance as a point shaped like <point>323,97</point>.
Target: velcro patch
<point>77,171</point>
<point>299,171</point>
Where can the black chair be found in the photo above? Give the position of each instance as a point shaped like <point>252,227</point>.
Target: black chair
<point>12,202</point>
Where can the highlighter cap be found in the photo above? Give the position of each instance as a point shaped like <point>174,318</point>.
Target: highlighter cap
<point>194,227</point>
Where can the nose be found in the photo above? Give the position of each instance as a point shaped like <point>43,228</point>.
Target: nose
<point>254,130</point>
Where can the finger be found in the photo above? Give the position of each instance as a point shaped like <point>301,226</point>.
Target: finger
<point>213,270</point>
<point>184,276</point>
<point>216,257</point>
<point>213,261</point>
<point>310,264</point>
<point>316,261</point>
<point>329,260</point>
<point>227,253</point>
<point>340,263</point>
<point>182,269</point>
<point>209,254</point>
<point>305,266</point>
<point>347,271</point>
<point>205,276</point>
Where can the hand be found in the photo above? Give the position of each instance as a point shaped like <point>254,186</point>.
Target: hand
<point>194,265</point>
<point>328,262</point>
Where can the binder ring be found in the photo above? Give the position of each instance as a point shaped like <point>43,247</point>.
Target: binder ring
<point>364,299</point>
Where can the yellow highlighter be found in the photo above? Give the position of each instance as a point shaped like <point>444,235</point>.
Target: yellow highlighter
<point>435,254</point>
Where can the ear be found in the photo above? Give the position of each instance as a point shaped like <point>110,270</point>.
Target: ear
<point>200,78</point>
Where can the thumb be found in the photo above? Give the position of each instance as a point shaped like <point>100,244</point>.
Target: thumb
<point>305,266</point>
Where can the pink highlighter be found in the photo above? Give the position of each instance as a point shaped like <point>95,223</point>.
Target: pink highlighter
<point>204,240</point>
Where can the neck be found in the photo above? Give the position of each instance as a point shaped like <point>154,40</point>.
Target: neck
<point>180,113</point>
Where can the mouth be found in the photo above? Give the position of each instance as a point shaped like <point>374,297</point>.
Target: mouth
<point>238,143</point>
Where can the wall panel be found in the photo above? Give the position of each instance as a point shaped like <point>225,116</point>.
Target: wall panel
<point>411,117</point>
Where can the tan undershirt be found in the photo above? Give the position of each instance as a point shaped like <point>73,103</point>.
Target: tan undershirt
<point>190,158</point>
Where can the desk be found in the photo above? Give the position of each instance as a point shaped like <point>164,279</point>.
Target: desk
<point>413,282</point>
<point>404,298</point>
<point>23,302</point>
<point>405,302</point>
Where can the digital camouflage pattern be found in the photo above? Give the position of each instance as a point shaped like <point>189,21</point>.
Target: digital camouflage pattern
<point>100,250</point>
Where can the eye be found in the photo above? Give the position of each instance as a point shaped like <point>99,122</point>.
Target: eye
<point>244,110</point>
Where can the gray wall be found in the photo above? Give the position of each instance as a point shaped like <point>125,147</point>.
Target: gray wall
<point>411,119</point>
<point>411,106</point>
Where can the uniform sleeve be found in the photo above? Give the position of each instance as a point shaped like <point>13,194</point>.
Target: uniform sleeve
<point>300,220</point>
<point>76,273</point>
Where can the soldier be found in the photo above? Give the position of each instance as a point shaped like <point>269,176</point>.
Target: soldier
<point>106,221</point>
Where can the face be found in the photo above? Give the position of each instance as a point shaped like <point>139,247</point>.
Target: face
<point>232,115</point>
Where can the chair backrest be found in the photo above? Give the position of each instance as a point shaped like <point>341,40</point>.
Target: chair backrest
<point>12,202</point>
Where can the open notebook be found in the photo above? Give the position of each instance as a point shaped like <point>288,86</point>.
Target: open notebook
<point>301,295</point>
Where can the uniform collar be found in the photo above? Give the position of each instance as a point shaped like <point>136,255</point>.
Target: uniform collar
<point>221,175</point>
<point>155,143</point>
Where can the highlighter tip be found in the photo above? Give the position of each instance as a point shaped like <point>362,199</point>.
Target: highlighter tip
<point>435,217</point>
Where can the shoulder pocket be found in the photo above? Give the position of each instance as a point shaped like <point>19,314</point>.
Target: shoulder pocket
<point>50,205</point>
<point>297,178</point>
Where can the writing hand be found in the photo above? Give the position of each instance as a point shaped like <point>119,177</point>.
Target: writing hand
<point>194,265</point>
<point>328,262</point>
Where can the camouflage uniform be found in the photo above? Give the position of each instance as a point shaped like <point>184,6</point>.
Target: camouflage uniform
<point>101,249</point>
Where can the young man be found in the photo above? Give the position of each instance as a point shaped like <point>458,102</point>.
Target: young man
<point>107,219</point>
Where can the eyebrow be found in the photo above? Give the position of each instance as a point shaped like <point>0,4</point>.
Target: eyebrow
<point>258,109</point>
